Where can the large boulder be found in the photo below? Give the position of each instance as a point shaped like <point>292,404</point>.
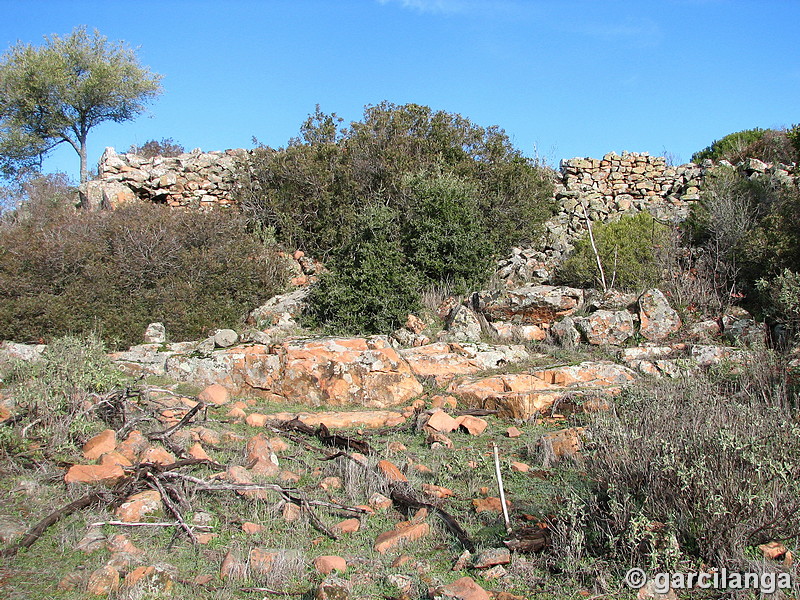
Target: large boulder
<point>658,319</point>
<point>532,304</point>
<point>337,371</point>
<point>606,327</point>
<point>463,325</point>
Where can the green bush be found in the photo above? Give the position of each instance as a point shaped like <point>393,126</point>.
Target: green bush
<point>460,195</point>
<point>768,145</point>
<point>63,271</point>
<point>782,299</point>
<point>709,459</point>
<point>58,392</point>
<point>629,252</point>
<point>369,287</point>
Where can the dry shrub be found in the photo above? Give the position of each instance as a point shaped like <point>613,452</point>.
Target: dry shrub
<point>709,459</point>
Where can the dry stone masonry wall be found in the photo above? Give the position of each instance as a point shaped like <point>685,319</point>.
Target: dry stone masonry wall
<point>197,180</point>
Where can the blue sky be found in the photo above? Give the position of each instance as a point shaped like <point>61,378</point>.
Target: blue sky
<point>563,78</point>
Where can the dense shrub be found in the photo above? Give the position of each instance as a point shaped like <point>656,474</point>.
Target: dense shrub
<point>460,194</point>
<point>708,459</point>
<point>63,271</point>
<point>768,145</point>
<point>629,252</point>
<point>369,286</point>
<point>748,229</point>
<point>57,392</point>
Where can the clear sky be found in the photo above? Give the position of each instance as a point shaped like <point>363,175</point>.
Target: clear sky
<point>564,78</point>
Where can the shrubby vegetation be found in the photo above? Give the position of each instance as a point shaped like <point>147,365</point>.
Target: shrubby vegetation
<point>706,459</point>
<point>59,392</point>
<point>455,196</point>
<point>629,251</point>
<point>768,145</point>
<point>166,147</point>
<point>114,272</point>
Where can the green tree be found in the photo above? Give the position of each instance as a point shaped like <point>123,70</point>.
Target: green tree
<point>58,92</point>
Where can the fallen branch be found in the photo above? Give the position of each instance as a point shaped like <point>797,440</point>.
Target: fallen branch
<point>172,508</point>
<point>138,524</point>
<point>36,532</point>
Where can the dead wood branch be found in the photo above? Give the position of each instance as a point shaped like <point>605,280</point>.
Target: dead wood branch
<point>36,532</point>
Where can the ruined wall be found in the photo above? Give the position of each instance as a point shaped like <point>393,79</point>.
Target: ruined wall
<point>198,180</point>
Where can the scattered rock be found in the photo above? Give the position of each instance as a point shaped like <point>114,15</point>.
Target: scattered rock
<point>215,394</point>
<point>329,564</point>
<point>252,528</point>
<point>155,333</point>
<point>225,338</point>
<point>463,589</point>
<point>560,445</point>
<point>658,320</point>
<point>261,560</point>
<point>105,474</point>
<point>103,581</point>
<point>332,588</point>
<point>139,505</point>
<point>491,557</point>
<point>232,567</point>
<point>103,442</point>
<point>489,504</point>
<point>473,425</point>
<point>391,472</point>
<point>513,432</point>
<point>348,526</point>
<point>442,422</point>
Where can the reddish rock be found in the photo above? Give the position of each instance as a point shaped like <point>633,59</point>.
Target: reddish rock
<point>532,304</point>
<point>773,550</point>
<point>329,564</point>
<point>215,394</point>
<point>473,425</point>
<point>252,528</point>
<point>348,526</point>
<point>606,327</point>
<point>442,422</point>
<point>109,459</point>
<point>139,505</point>
<point>379,501</point>
<point>256,420</point>
<point>133,445</point>
<point>103,581</point>
<point>154,579</point>
<point>440,401</point>
<point>368,419</point>
<point>443,362</point>
<point>157,456</point>
<point>513,432</point>
<point>436,491</point>
<point>391,472</point>
<point>490,504</point>
<point>121,543</point>
<point>405,532</point>
<point>464,589</point>
<point>291,512</point>
<point>559,445</point>
<point>339,371</point>
<point>105,474</point>
<point>261,561</point>
<point>514,395</point>
<point>520,467</point>
<point>491,557</point>
<point>103,442</point>
<point>331,483</point>
<point>197,451</point>
<point>237,474</point>
<point>414,324</point>
<point>231,567</point>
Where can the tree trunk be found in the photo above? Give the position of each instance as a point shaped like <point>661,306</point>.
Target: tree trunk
<point>84,169</point>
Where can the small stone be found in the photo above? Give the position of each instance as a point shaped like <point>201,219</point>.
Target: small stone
<point>215,394</point>
<point>773,550</point>
<point>391,472</point>
<point>225,338</point>
<point>157,456</point>
<point>105,474</point>
<point>436,491</point>
<point>463,561</point>
<point>139,505</point>
<point>103,442</point>
<point>197,451</point>
<point>489,505</point>
<point>121,543</point>
<point>155,333</point>
<point>400,561</point>
<point>473,425</point>
<point>464,589</point>
<point>379,501</point>
<point>332,588</point>
<point>291,512</point>
<point>520,467</point>
<point>331,483</point>
<point>252,528</point>
<point>256,420</point>
<point>513,432</point>
<point>496,572</point>
<point>328,564</point>
<point>491,557</point>
<point>103,581</point>
<point>441,422</point>
<point>348,526</point>
<point>262,561</point>
<point>231,567</point>
<point>396,447</point>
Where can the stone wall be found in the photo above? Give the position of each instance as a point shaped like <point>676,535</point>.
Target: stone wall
<point>198,180</point>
